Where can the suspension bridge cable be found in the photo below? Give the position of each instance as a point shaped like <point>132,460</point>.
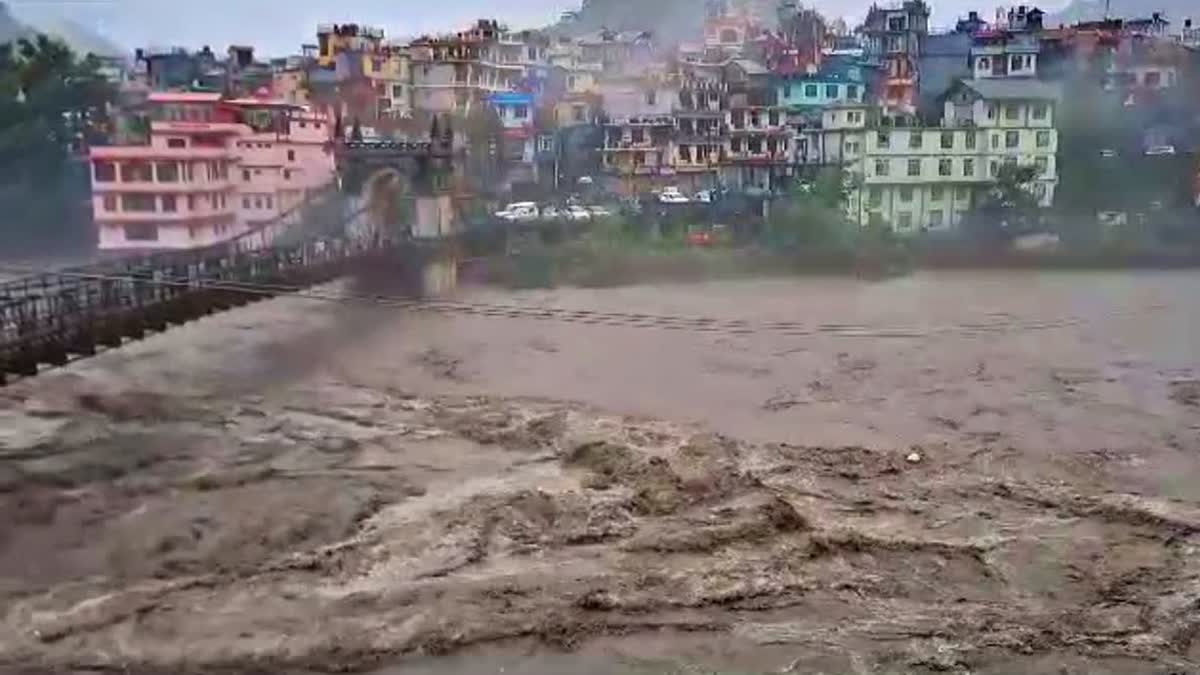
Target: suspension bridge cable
<point>698,324</point>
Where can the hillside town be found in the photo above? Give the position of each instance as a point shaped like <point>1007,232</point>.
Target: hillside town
<point>923,124</point>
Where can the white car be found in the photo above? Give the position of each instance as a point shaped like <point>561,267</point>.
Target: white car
<point>519,212</point>
<point>578,213</point>
<point>552,213</point>
<point>673,196</point>
<point>598,211</point>
<point>704,196</point>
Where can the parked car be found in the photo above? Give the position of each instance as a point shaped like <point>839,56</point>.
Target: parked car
<point>599,212</point>
<point>672,195</point>
<point>552,213</point>
<point>578,213</point>
<point>519,212</point>
<point>704,196</point>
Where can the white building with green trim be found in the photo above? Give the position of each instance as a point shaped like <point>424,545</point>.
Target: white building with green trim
<point>915,177</point>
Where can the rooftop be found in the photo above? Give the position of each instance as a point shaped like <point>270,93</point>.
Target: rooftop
<point>1022,89</point>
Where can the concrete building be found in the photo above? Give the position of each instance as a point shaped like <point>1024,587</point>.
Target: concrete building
<point>208,169</point>
<point>894,40</point>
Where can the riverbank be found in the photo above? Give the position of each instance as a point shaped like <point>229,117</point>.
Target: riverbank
<point>587,265</point>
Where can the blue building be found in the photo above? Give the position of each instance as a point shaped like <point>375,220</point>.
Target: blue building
<point>839,81</point>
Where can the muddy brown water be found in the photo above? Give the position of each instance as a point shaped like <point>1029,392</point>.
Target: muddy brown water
<point>984,473</point>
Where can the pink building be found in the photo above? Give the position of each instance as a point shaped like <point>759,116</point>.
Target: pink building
<point>212,169</point>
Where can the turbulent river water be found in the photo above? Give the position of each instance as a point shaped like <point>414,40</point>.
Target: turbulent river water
<point>984,473</point>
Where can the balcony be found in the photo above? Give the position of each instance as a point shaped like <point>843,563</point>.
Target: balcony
<point>221,185</point>
<point>181,217</point>
<point>119,152</point>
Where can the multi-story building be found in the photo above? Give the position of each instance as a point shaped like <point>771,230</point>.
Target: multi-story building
<point>916,177</point>
<point>894,38</point>
<point>759,158</point>
<point>208,169</point>
<point>701,143</point>
<point>639,131</point>
<point>333,39</point>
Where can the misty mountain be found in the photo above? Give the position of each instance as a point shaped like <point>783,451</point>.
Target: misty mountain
<point>1093,10</point>
<point>670,20</point>
<point>79,38</point>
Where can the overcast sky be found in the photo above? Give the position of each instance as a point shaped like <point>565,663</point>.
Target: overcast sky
<point>278,27</point>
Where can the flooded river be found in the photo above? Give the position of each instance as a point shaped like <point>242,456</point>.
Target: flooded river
<point>985,473</point>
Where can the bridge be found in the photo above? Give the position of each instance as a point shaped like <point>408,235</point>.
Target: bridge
<point>54,317</point>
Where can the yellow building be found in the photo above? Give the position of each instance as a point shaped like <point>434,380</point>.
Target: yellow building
<point>916,177</point>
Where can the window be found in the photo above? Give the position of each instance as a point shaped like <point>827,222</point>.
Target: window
<point>245,202</point>
<point>110,203</point>
<point>993,111</point>
<point>810,91</point>
<point>831,91</point>
<point>994,169</point>
<point>397,92</point>
<point>995,141</point>
<point>1153,78</point>
<point>638,135</point>
<point>883,139</point>
<point>246,175</point>
<point>1042,164</point>
<point>936,218</point>
<point>1039,111</point>
<point>906,194</point>
<point>522,112</point>
<point>945,167</point>
<point>906,221</point>
<point>137,172</point>
<point>169,204</point>
<point>579,112</point>
<point>984,63</point>
<point>881,167</point>
<point>1012,112</point>
<point>191,202</point>
<point>914,167</point>
<point>735,145</point>
<point>1043,139</point>
<point>875,195</point>
<point>269,202</point>
<point>1017,62</point>
<point>947,140</point>
<point>970,140</point>
<point>787,91</point>
<point>291,155</point>
<point>1010,161</point>
<point>968,168</point>
<point>852,92</point>
<point>287,174</point>
<point>176,143</point>
<point>937,193</point>
<point>258,202</point>
<point>1012,139</point>
<point>138,202</point>
<point>962,195</point>
<point>168,172</point>
<point>915,140</point>
<point>652,97</point>
<point>141,232</point>
<point>106,172</point>
<point>773,118</point>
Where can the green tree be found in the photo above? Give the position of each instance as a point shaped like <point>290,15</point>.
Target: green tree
<point>52,105</point>
<point>813,214</point>
<point>1008,209</point>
